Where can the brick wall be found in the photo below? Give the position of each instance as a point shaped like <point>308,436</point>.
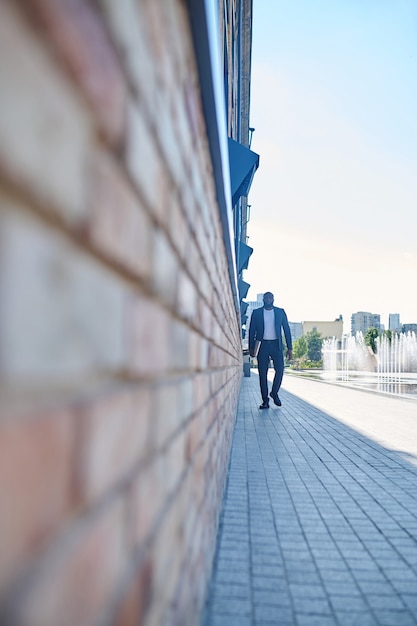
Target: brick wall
<point>120,357</point>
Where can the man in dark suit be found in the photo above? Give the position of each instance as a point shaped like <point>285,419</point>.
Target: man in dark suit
<point>266,326</point>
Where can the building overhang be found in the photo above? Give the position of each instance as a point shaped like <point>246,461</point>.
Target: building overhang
<point>245,252</point>
<point>243,289</point>
<point>243,164</point>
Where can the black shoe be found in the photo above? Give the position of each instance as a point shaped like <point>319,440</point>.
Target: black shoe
<point>265,405</point>
<point>276,399</point>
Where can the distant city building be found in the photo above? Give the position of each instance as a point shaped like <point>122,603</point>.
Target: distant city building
<point>326,329</point>
<point>394,323</point>
<point>409,327</point>
<point>296,329</point>
<point>362,320</point>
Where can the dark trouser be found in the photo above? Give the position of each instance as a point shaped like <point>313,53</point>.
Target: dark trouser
<point>270,349</point>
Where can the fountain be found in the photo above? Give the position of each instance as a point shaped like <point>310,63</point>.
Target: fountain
<point>392,369</point>
<point>398,355</point>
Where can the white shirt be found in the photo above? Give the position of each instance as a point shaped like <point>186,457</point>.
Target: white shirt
<point>269,324</point>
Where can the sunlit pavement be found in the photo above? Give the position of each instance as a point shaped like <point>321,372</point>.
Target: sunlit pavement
<point>319,520</point>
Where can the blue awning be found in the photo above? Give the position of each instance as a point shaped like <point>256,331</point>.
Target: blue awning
<point>243,165</point>
<point>244,254</point>
<point>243,289</point>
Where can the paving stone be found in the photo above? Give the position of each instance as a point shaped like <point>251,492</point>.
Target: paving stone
<point>342,588</point>
<point>307,591</point>
<point>303,576</point>
<point>238,576</point>
<point>262,597</point>
<point>277,585</point>
<point>219,619</point>
<point>410,600</point>
<point>276,614</point>
<point>348,603</point>
<point>267,570</point>
<point>354,618</point>
<point>406,587</point>
<point>390,602</point>
<point>231,605</point>
<point>312,606</point>
<point>319,519</point>
<point>394,618</point>
<point>376,587</point>
<point>229,590</point>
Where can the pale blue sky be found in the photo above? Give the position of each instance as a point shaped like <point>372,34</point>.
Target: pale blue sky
<point>333,204</point>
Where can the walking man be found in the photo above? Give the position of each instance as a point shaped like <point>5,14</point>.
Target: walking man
<point>266,326</point>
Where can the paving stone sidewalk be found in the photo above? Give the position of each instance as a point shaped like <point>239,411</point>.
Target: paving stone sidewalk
<point>319,520</point>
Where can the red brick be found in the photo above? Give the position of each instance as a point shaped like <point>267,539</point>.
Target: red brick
<point>76,583</point>
<point>187,297</point>
<point>179,229</point>
<point>179,348</point>
<point>167,35</point>
<point>44,146</point>
<point>80,38</point>
<point>166,412</point>
<point>116,431</point>
<point>167,556</point>
<point>192,103</point>
<point>147,497</point>
<point>196,433</point>
<point>148,350</point>
<point>135,602</point>
<point>147,170</point>
<point>165,269</point>
<point>175,462</point>
<point>36,486</point>
<point>63,313</point>
<point>195,351</point>
<point>118,224</point>
<point>203,391</point>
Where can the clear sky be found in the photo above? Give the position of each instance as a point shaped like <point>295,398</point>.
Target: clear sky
<point>334,201</point>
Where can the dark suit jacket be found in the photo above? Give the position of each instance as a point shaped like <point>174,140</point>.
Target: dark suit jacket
<point>256,327</point>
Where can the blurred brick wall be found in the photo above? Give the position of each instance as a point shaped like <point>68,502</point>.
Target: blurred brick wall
<point>120,356</point>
